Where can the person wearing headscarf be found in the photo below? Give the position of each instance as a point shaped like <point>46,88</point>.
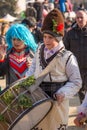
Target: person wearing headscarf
<point>59,69</point>
<point>17,53</point>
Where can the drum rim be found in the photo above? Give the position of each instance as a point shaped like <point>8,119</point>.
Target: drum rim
<point>29,109</point>
<point>4,90</point>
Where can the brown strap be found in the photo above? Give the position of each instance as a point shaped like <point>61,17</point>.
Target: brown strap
<point>68,59</point>
<point>44,62</point>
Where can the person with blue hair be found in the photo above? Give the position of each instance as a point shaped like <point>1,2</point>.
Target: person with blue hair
<point>16,55</point>
<point>19,31</point>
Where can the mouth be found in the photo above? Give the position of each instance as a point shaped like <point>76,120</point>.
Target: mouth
<point>17,45</point>
<point>47,44</point>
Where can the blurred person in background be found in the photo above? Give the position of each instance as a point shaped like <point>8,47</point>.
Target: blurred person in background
<point>68,24</point>
<point>62,6</point>
<point>56,4</point>
<point>51,4</point>
<point>31,23</point>
<point>4,29</point>
<point>31,11</point>
<point>46,5</point>
<point>75,40</point>
<point>69,6</point>
<point>38,5</point>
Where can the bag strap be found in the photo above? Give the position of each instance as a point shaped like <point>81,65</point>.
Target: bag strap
<point>44,62</point>
<point>68,59</point>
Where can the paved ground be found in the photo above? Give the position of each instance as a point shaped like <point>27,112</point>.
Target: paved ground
<point>74,103</point>
<point>2,82</point>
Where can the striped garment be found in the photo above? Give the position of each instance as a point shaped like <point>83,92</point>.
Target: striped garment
<point>18,62</point>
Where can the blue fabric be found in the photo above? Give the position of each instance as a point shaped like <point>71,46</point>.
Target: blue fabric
<point>21,32</point>
<point>62,5</point>
<point>51,1</point>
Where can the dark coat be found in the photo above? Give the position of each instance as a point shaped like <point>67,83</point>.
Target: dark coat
<point>39,8</point>
<point>76,41</point>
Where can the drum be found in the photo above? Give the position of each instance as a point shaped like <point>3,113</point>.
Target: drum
<point>22,110</point>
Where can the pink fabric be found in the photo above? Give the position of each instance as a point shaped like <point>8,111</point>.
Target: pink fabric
<point>44,13</point>
<point>70,5</point>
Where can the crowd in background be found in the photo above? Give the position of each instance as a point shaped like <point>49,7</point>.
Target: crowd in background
<point>75,36</point>
<point>35,13</point>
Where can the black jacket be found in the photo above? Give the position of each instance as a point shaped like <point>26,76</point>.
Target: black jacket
<point>76,41</point>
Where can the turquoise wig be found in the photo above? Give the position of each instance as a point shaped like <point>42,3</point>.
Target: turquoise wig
<point>21,32</point>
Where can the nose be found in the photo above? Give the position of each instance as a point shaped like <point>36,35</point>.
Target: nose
<point>46,39</point>
<point>15,40</point>
<point>79,18</point>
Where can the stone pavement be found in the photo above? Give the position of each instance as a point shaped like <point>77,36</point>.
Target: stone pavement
<point>74,103</point>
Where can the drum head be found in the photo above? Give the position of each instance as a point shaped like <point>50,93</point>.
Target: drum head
<point>21,109</point>
<point>33,116</point>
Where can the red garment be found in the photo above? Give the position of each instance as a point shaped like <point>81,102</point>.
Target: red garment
<point>18,63</point>
<point>2,60</point>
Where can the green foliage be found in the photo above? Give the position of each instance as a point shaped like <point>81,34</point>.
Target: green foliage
<point>8,97</point>
<point>24,101</point>
<point>29,81</point>
<point>2,117</point>
<point>26,83</point>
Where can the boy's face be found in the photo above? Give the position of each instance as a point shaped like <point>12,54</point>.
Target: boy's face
<point>49,41</point>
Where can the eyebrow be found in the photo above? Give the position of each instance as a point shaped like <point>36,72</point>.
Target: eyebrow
<point>16,39</point>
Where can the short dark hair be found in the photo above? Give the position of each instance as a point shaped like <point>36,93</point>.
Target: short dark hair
<point>30,21</point>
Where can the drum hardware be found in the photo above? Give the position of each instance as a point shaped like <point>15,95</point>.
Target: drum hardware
<point>23,107</point>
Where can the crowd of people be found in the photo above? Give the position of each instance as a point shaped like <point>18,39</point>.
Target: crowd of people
<point>46,40</point>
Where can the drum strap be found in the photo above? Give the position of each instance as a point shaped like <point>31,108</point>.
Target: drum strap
<point>51,87</point>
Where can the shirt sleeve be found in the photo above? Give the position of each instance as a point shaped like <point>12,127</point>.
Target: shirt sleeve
<point>74,82</point>
<point>32,68</point>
